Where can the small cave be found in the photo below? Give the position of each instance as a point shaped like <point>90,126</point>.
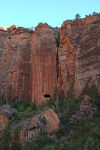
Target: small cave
<point>46,95</point>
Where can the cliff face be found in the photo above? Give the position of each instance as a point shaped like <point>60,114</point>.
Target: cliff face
<point>15,63</point>
<point>79,53</point>
<point>29,62</point>
<point>88,57</point>
<point>43,61</point>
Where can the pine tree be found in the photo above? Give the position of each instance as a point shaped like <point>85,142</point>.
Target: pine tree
<point>16,144</point>
<point>6,139</point>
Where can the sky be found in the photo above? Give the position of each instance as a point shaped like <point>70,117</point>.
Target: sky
<point>28,13</point>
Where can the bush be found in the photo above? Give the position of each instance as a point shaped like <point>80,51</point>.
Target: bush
<point>10,95</point>
<point>21,108</point>
<point>91,91</point>
<point>2,101</point>
<point>16,143</point>
<point>71,90</point>
<point>50,147</point>
<point>39,142</point>
<point>69,105</point>
<point>29,30</point>
<point>24,105</point>
<point>77,16</point>
<point>86,133</point>
<point>5,139</point>
<point>50,103</point>
<point>9,142</point>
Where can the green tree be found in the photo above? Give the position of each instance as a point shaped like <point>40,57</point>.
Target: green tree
<point>77,16</point>
<point>71,90</point>
<point>2,99</point>
<point>56,98</point>
<point>86,15</point>
<point>39,142</point>
<point>16,144</point>
<point>5,139</point>
<point>10,94</point>
<point>94,13</point>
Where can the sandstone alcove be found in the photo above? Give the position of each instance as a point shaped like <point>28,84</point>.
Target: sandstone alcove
<point>46,96</point>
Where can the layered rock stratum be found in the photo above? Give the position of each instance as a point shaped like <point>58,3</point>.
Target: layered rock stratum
<point>34,63</point>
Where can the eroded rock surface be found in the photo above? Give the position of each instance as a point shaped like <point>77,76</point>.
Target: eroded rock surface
<point>28,62</point>
<point>6,116</point>
<point>87,108</point>
<point>79,53</point>
<point>46,121</point>
<point>43,61</point>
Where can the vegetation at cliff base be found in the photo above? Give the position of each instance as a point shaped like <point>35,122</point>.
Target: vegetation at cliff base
<point>79,134</point>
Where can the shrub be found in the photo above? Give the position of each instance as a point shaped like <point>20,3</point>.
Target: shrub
<point>16,143</point>
<point>42,105</point>
<point>29,30</point>
<point>91,91</point>
<point>9,142</point>
<point>5,139</point>
<point>50,147</point>
<point>21,108</point>
<point>69,105</point>
<point>2,100</point>
<point>77,16</point>
<point>39,142</point>
<point>10,95</point>
<point>85,133</point>
<point>24,105</point>
<point>71,90</point>
<point>50,103</point>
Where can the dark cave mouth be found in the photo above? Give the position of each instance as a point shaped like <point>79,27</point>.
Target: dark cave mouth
<point>46,95</point>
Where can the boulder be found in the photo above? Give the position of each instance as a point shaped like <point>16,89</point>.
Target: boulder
<point>6,116</point>
<point>87,98</point>
<point>46,121</point>
<point>87,108</point>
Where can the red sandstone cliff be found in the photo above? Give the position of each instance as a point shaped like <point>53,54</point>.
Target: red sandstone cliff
<point>79,53</point>
<point>29,62</point>
<point>15,62</point>
<point>43,61</point>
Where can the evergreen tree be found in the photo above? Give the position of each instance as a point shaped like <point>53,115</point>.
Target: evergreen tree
<point>77,16</point>
<point>5,139</point>
<point>16,144</point>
